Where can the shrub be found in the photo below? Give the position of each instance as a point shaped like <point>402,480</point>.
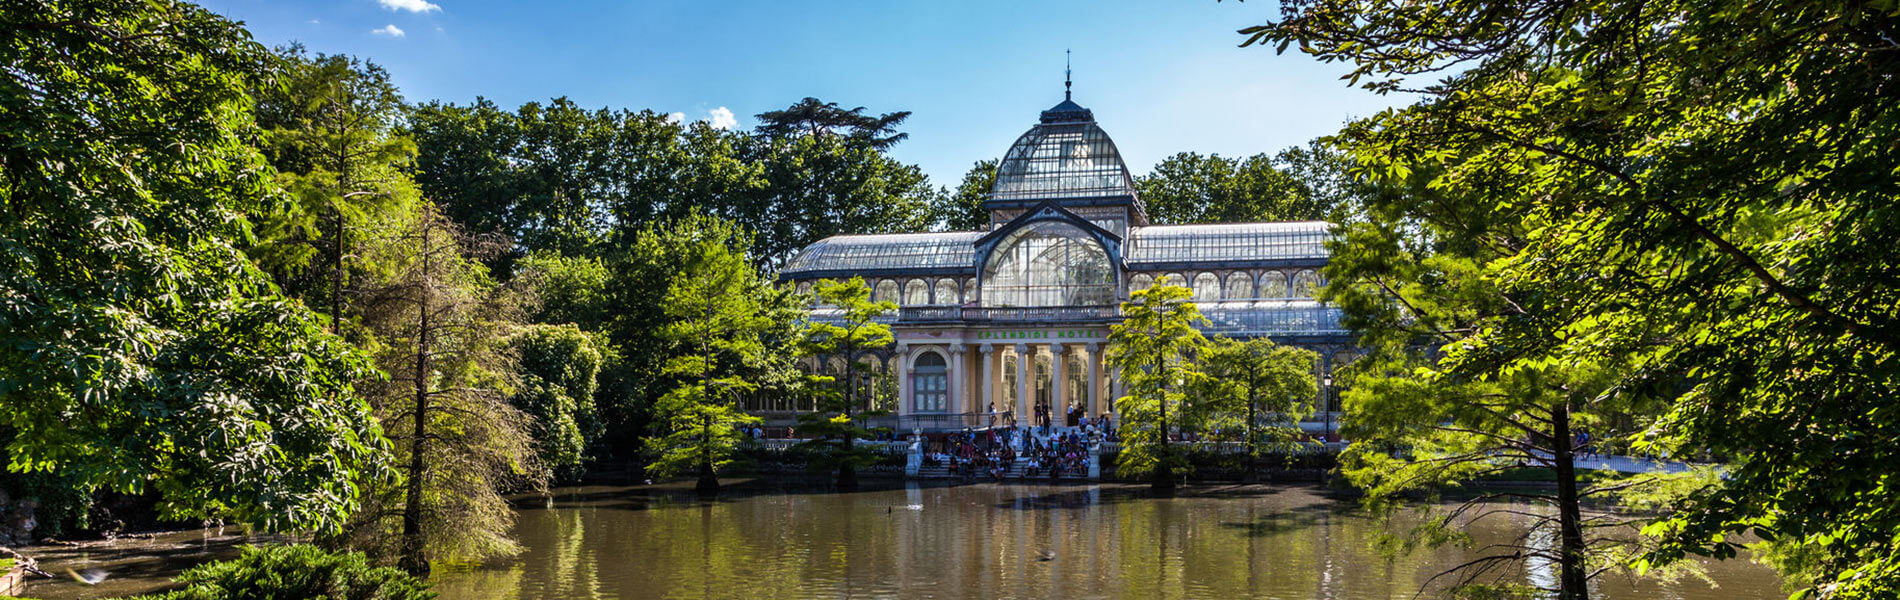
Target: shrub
<point>297,572</point>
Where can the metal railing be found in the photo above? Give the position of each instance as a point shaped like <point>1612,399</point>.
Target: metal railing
<point>1002,313</point>
<point>904,424</point>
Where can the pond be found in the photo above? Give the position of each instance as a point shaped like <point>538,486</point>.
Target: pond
<point>765,540</point>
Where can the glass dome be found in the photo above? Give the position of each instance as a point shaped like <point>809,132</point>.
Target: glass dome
<point>1228,242</point>
<point>887,251</point>
<point>1065,156</point>
<point>1048,263</point>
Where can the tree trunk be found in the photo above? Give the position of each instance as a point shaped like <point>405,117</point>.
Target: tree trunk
<point>412,559</point>
<point>338,277</point>
<point>1573,580</point>
<point>1163,479</point>
<point>708,481</point>
<point>1253,437</point>
<point>848,473</point>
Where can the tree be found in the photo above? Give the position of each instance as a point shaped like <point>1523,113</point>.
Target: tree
<point>1152,348</point>
<point>815,118</point>
<point>1704,194</point>
<point>1266,387</point>
<point>963,209</point>
<point>714,305</point>
<point>557,367</point>
<point>820,186</point>
<point>465,164</point>
<point>1322,173</point>
<point>642,276</point>
<point>1192,188</point>
<point>571,289</point>
<point>438,324</point>
<point>140,352</point>
<point>848,331</point>
<point>331,134</point>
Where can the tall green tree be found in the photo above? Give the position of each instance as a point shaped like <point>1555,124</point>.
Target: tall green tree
<point>848,329</point>
<point>1153,349</point>
<point>819,186</point>
<point>140,351</point>
<point>962,209</point>
<point>1703,191</point>
<point>557,373</point>
<point>570,289</point>
<point>816,118</point>
<point>438,325</point>
<point>1261,388</point>
<point>718,307</point>
<point>641,279</point>
<point>1195,188</point>
<point>466,158</point>
<point>331,134</point>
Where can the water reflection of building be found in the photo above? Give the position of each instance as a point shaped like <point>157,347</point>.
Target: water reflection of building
<point>1016,317</point>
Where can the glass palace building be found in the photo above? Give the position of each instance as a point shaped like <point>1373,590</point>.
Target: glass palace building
<point>998,323</point>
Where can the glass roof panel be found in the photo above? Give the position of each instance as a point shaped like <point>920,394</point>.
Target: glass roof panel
<point>1270,317</point>
<point>888,251</point>
<point>1228,241</point>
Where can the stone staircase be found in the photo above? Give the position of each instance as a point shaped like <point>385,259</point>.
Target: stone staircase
<point>1017,472</point>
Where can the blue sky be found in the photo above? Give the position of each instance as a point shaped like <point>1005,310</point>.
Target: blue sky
<point>1162,76</point>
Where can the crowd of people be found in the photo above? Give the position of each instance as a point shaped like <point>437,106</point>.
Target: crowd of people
<point>995,451</point>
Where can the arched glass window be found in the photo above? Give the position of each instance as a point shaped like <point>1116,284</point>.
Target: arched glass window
<point>1273,284</point>
<point>886,291</point>
<point>804,287</point>
<point>1175,279</point>
<point>1239,286</point>
<point>916,293</point>
<point>1305,283</point>
<point>969,290</point>
<point>1048,264</point>
<point>1140,281</point>
<point>947,291</point>
<point>1206,287</point>
<point>929,383</point>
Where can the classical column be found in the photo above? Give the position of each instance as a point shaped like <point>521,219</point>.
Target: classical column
<point>1024,415</point>
<point>1095,380</point>
<point>953,377</point>
<point>1058,371</point>
<point>988,353</point>
<point>903,379</point>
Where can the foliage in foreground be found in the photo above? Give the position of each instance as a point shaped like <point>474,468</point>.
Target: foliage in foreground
<point>1259,388</point>
<point>438,327</point>
<point>296,572</point>
<point>1152,349</point>
<point>722,315</point>
<point>848,334</point>
<point>140,350</point>
<point>1700,197</point>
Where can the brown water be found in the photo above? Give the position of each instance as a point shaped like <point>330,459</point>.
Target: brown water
<point>979,541</point>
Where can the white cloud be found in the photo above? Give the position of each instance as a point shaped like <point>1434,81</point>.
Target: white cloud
<point>388,30</point>
<point>414,6</point>
<point>722,118</point>
<point>315,22</point>
<point>678,117</point>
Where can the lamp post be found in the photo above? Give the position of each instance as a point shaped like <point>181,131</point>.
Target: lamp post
<point>1326,404</point>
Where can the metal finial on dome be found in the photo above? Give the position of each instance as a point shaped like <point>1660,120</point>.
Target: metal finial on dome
<point>1068,73</point>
